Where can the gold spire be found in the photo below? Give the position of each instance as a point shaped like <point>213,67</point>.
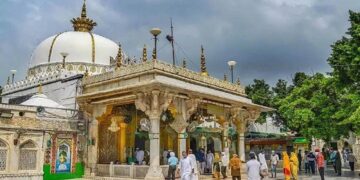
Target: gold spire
<point>203,63</point>
<point>225,77</point>
<point>83,23</point>
<point>40,89</point>
<point>238,81</point>
<point>83,10</point>
<point>184,63</point>
<point>144,58</point>
<point>119,58</point>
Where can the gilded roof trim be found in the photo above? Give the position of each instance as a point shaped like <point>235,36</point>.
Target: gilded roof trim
<point>52,45</point>
<point>92,47</point>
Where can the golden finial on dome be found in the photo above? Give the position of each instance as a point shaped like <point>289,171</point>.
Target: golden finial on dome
<point>184,63</point>
<point>119,57</point>
<point>144,58</point>
<point>83,23</point>
<point>203,63</point>
<point>83,10</point>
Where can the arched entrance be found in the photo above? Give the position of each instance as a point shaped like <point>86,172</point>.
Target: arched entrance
<point>193,144</point>
<point>210,144</point>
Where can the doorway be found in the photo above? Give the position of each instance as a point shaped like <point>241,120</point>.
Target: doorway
<point>210,144</point>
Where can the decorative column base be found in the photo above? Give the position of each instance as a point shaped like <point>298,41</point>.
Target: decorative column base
<point>154,173</point>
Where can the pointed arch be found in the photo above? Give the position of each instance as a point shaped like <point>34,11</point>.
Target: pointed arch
<point>28,144</point>
<point>28,155</point>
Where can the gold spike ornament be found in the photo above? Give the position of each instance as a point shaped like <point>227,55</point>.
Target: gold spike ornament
<point>144,58</point>
<point>203,63</point>
<point>83,23</point>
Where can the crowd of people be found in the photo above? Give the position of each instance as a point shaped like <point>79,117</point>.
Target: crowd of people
<point>190,166</point>
<point>291,163</point>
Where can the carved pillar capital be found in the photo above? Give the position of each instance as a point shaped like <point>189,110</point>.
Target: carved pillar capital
<point>191,106</point>
<point>153,103</point>
<point>241,117</point>
<point>254,114</point>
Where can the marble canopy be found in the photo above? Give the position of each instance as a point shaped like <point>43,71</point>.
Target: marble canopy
<point>152,86</point>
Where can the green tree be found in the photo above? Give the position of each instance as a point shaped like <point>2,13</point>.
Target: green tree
<point>345,56</point>
<point>299,79</point>
<point>281,91</point>
<point>345,62</point>
<point>260,93</point>
<point>310,108</point>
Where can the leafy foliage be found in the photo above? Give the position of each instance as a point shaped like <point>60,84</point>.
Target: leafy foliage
<point>319,106</point>
<point>260,93</point>
<point>345,56</point>
<point>310,108</point>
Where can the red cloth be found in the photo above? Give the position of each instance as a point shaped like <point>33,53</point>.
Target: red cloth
<point>320,160</point>
<point>287,172</point>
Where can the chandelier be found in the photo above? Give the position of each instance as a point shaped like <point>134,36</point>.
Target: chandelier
<point>114,127</point>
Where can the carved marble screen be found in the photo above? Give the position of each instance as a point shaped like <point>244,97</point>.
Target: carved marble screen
<point>108,144</point>
<point>3,156</point>
<point>28,152</point>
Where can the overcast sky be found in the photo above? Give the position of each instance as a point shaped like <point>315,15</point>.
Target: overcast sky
<point>270,39</point>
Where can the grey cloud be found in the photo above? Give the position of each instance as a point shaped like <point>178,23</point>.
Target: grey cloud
<point>270,39</point>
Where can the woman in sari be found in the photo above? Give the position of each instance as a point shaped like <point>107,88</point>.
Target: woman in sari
<point>294,166</point>
<point>286,165</point>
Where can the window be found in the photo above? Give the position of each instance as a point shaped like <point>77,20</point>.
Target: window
<point>27,159</point>
<point>3,155</point>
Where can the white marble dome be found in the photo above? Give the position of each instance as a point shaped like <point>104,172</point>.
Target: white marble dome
<point>82,47</point>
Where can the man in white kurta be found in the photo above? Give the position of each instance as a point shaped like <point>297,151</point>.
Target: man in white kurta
<point>195,174</point>
<point>209,161</point>
<point>139,154</point>
<point>185,167</point>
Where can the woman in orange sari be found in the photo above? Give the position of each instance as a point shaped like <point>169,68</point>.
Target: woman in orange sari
<point>286,165</point>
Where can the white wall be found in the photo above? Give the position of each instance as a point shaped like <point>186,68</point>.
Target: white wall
<point>62,92</point>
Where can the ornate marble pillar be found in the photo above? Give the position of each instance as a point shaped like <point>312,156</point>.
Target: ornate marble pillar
<point>92,155</point>
<point>185,108</point>
<point>241,142</point>
<point>153,103</point>
<point>225,125</point>
<point>182,142</point>
<point>241,117</point>
<point>154,171</point>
